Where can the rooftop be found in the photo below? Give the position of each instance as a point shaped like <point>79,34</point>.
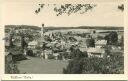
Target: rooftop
<point>103,42</point>
<point>33,43</point>
<point>95,50</point>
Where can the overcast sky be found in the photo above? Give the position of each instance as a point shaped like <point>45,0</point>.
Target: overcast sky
<point>23,14</point>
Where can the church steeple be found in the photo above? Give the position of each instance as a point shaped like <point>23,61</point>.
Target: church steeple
<point>42,31</point>
<point>42,34</point>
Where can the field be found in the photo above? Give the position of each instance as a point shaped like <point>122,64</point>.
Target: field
<point>41,66</point>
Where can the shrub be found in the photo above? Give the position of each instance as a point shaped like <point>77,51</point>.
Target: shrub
<point>75,66</point>
<point>50,56</point>
<point>111,65</point>
<point>11,67</point>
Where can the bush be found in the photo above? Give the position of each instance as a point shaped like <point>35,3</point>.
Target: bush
<point>30,53</point>
<point>112,38</point>
<point>76,53</point>
<point>111,65</point>
<point>19,57</point>
<point>75,66</point>
<point>50,56</point>
<point>11,67</point>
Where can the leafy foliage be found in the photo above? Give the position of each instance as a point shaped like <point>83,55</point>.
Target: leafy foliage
<point>72,8</point>
<point>122,42</point>
<point>111,65</point>
<point>11,67</point>
<point>74,67</point>
<point>68,8</point>
<point>112,38</point>
<point>94,65</point>
<point>90,42</point>
<point>11,38</point>
<point>23,42</point>
<point>121,7</point>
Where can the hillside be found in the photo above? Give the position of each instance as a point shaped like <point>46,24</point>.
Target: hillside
<point>61,28</point>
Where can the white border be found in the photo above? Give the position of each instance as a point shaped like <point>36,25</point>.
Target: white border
<point>68,76</point>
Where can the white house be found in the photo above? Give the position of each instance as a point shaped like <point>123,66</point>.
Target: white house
<point>96,52</point>
<point>101,43</point>
<point>32,45</point>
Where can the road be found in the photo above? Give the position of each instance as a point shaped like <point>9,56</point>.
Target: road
<point>36,65</point>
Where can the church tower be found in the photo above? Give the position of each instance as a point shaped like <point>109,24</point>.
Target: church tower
<point>42,33</point>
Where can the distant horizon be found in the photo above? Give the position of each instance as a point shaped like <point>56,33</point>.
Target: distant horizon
<point>61,26</point>
<point>64,28</point>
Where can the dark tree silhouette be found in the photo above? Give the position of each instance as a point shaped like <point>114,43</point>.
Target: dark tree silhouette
<point>68,8</point>
<point>10,41</point>
<point>111,65</point>
<point>121,7</point>
<point>112,38</point>
<point>23,42</point>
<point>122,42</point>
<point>90,42</point>
<point>72,8</point>
<point>75,66</point>
<point>11,33</point>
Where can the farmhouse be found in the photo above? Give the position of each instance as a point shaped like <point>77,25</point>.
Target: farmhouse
<point>101,43</point>
<point>32,45</point>
<point>96,52</point>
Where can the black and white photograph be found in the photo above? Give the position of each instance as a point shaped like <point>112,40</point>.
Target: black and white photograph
<point>64,38</point>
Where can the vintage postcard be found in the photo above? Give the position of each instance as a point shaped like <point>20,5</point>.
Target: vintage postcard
<point>62,40</point>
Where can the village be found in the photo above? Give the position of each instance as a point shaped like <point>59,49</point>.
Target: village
<point>60,44</point>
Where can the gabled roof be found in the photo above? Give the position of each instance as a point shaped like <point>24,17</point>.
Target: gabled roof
<point>33,43</point>
<point>101,42</point>
<point>96,50</point>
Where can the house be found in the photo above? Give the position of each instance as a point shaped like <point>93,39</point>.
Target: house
<point>96,52</point>
<point>101,43</point>
<point>32,45</point>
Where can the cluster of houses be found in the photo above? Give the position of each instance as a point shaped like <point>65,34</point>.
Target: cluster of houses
<point>59,47</point>
<point>97,51</point>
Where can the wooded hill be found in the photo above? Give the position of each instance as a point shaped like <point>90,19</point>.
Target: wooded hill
<point>8,27</point>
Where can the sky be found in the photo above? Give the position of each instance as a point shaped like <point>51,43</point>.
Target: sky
<point>104,14</point>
